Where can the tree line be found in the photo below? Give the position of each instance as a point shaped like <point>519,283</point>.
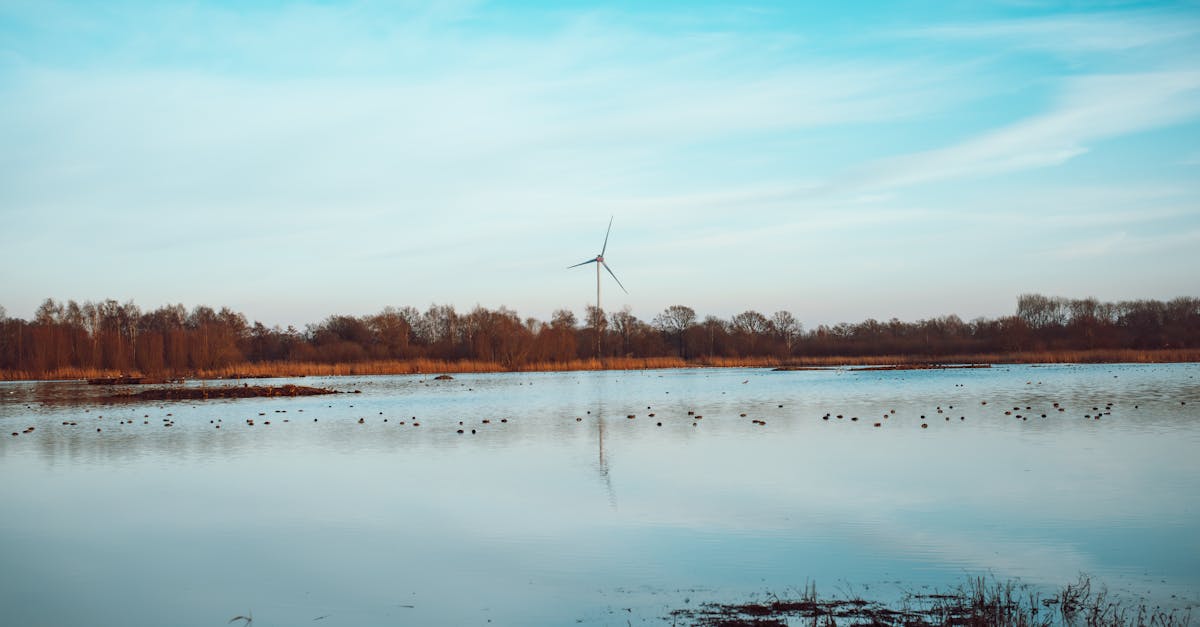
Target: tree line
<point>109,335</point>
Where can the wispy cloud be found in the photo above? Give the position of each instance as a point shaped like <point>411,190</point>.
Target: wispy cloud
<point>593,107</point>
<point>1124,244</point>
<point>1090,109</point>
<point>1087,33</point>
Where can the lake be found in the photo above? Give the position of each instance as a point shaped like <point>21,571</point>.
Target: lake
<point>560,509</point>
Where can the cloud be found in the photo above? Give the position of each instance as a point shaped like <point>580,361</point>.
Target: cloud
<point>1123,244</point>
<point>1080,33</point>
<point>525,123</point>
<point>1089,110</point>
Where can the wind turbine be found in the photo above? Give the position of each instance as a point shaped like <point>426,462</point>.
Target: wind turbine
<point>599,261</point>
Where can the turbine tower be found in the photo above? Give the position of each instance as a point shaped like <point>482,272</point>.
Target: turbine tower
<point>599,261</point>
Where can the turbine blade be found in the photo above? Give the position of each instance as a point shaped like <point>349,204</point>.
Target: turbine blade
<point>582,263</point>
<point>610,219</point>
<point>605,264</point>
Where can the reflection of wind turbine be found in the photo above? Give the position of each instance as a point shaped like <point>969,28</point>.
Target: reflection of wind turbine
<point>603,465</point>
<point>599,261</point>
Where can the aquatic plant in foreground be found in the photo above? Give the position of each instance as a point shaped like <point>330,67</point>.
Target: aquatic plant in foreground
<point>979,602</point>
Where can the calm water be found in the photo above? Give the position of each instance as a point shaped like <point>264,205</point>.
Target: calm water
<point>546,519</point>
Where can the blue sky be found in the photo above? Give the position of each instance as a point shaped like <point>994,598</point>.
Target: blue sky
<point>839,160</point>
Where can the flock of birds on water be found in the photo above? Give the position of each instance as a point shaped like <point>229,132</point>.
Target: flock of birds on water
<point>947,413</point>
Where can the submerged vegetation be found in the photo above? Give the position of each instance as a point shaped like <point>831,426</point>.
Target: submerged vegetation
<point>980,602</point>
<point>69,340</point>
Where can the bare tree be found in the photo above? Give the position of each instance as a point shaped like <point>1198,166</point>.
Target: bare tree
<point>597,322</point>
<point>786,329</point>
<point>749,327</point>
<point>716,335</point>
<point>673,322</point>
<point>624,324</point>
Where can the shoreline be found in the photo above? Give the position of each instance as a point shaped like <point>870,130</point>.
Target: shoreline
<point>433,367</point>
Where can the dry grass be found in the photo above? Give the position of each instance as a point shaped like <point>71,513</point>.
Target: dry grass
<point>61,374</point>
<point>1098,356</point>
<point>431,366</point>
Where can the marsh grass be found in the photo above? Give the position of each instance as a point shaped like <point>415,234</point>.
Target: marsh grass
<point>434,366</point>
<point>978,602</point>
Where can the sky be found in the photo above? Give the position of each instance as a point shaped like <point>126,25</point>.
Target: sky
<point>842,161</point>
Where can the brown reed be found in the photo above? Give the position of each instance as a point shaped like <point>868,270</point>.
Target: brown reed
<point>435,366</point>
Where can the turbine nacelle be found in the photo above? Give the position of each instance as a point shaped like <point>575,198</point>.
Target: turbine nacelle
<point>600,260</point>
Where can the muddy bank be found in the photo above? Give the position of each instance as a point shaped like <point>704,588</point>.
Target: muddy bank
<point>203,393</point>
<point>131,380</point>
<point>924,367</point>
<point>888,367</point>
